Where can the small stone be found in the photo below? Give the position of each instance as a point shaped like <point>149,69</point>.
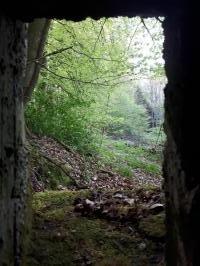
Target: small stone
<point>94,178</point>
<point>60,187</point>
<point>118,196</point>
<point>156,208</point>
<point>129,201</point>
<point>89,202</point>
<point>89,262</point>
<point>142,246</point>
<point>105,211</point>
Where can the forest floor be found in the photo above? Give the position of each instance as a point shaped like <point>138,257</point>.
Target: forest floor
<point>90,211</point>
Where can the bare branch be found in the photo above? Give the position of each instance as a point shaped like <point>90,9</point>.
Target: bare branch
<point>99,34</point>
<point>142,20</point>
<point>95,58</point>
<point>160,20</point>
<point>132,37</point>
<point>72,79</point>
<point>50,54</point>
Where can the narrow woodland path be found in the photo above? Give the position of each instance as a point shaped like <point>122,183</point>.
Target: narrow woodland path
<point>114,220</point>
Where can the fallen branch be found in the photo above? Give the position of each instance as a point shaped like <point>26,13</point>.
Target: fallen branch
<point>57,164</point>
<point>65,146</point>
<point>106,172</point>
<point>61,167</point>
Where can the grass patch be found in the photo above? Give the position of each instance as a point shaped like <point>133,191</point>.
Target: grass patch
<point>125,158</point>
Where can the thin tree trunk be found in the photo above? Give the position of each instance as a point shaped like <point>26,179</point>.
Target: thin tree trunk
<point>37,35</point>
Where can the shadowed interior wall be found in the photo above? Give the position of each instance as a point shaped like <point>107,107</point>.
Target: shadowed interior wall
<point>13,177</point>
<point>181,165</point>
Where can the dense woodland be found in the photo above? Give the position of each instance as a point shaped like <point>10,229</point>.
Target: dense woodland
<point>94,121</point>
<point>99,82</point>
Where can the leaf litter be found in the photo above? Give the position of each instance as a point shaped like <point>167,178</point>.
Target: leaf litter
<point>114,220</point>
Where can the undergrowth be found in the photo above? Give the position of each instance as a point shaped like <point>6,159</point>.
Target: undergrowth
<point>125,158</point>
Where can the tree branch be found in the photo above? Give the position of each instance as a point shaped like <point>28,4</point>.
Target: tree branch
<point>142,20</point>
<point>99,34</point>
<point>72,79</point>
<point>74,50</point>
<point>50,54</point>
<point>56,163</point>
<point>95,58</point>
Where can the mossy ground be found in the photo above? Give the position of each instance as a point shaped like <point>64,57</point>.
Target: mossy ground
<point>61,237</point>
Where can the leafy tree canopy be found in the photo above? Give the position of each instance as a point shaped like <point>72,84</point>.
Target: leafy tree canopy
<point>89,76</point>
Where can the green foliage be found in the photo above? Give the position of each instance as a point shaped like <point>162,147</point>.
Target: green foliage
<point>127,119</point>
<point>56,115</point>
<point>156,136</point>
<point>124,158</point>
<point>86,87</point>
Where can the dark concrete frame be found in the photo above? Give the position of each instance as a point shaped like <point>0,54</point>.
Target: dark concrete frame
<point>181,164</point>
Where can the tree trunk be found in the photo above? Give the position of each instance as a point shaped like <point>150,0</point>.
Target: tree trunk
<point>13,173</point>
<point>37,35</point>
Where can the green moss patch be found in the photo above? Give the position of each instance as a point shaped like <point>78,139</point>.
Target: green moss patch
<point>62,237</point>
<point>153,225</point>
